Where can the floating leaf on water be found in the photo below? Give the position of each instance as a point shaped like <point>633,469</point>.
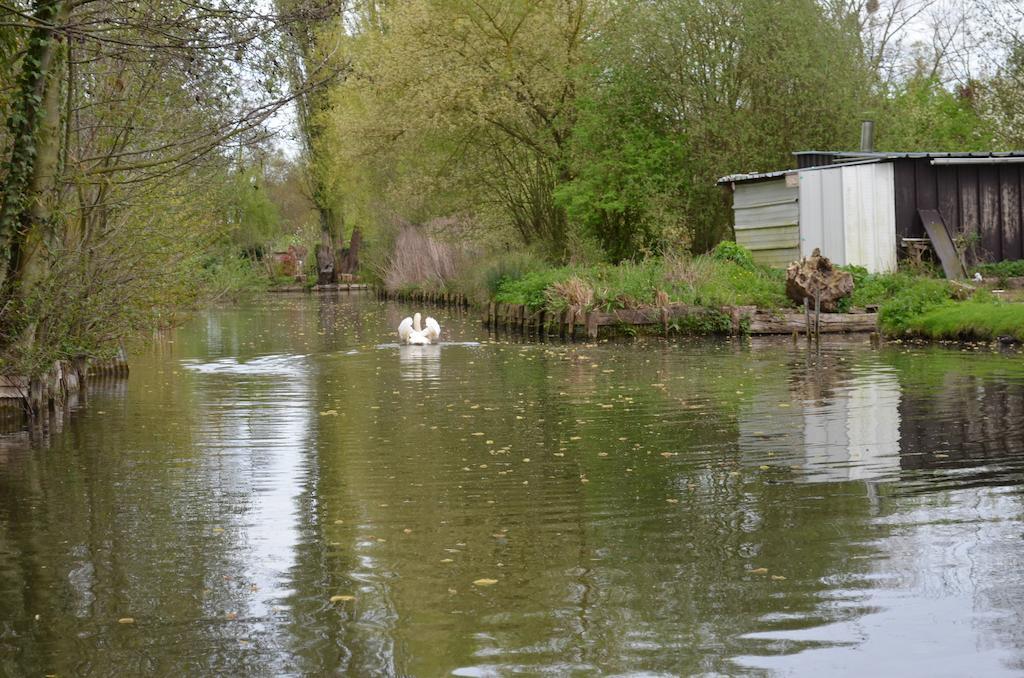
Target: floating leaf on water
<point>407,531</point>
<point>447,560</point>
<point>672,501</point>
<point>759,570</point>
<point>778,577</point>
<point>485,582</point>
<point>329,413</point>
<point>126,620</point>
<point>342,599</point>
<point>230,616</point>
<point>764,467</point>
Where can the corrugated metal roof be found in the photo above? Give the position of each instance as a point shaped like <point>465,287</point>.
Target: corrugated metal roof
<point>893,155</point>
<point>754,176</point>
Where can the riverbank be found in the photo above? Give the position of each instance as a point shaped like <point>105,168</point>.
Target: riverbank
<point>723,292</point>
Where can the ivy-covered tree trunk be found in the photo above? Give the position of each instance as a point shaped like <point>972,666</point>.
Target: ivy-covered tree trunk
<point>32,161</point>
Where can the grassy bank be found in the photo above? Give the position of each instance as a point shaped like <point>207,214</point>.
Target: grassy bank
<point>909,305</point>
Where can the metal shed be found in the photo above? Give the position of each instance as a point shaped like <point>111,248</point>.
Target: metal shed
<point>978,195</point>
<point>858,206</point>
<point>843,210</point>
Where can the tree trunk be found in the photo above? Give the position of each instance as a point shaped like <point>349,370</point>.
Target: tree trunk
<point>33,128</point>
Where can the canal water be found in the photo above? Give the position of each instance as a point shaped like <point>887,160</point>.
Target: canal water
<point>279,489</point>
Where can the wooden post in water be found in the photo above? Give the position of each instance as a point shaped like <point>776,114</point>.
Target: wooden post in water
<point>817,316</point>
<point>807,318</point>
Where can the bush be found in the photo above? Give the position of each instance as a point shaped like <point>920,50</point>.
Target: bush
<point>530,288</point>
<point>728,250</point>
<point>913,299</point>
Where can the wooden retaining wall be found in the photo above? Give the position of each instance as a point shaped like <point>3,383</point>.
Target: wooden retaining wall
<point>574,324</point>
<point>422,297</point>
<point>333,287</point>
<point>66,377</point>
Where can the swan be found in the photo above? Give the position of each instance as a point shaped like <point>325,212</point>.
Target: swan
<point>410,331</point>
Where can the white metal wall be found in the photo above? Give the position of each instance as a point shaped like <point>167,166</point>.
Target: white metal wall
<point>849,212</point>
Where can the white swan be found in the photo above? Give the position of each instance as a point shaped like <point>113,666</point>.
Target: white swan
<point>410,331</point>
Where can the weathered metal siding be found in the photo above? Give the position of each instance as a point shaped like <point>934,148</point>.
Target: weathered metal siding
<point>766,217</point>
<point>981,203</point>
<point>869,219</point>
<point>821,214</point>
<point>846,211</point>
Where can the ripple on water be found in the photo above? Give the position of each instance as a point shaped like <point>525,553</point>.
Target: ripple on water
<point>491,508</point>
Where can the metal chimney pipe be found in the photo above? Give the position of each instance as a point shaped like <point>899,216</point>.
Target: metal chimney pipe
<point>867,136</point>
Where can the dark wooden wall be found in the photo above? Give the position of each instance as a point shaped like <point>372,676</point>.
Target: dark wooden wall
<point>982,199</point>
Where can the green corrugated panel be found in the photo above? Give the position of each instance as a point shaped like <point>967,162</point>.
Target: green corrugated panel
<point>769,237</point>
<point>780,258</point>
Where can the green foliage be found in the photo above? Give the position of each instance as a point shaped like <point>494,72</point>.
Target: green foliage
<point>231,277</point>
<point>1002,269</point>
<point>530,288</point>
<point>907,298</point>
<point>253,216</point>
<point>701,281</point>
<point>728,250</point>
<point>710,322</point>
<point>923,115</point>
<point>630,171</point>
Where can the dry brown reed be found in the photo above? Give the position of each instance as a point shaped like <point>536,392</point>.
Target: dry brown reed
<point>417,259</point>
<point>574,292</point>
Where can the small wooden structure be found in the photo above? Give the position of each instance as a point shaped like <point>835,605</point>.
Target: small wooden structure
<point>858,205</point>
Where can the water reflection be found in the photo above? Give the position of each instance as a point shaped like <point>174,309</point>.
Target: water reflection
<point>700,507</point>
<point>832,425</point>
<point>420,362</point>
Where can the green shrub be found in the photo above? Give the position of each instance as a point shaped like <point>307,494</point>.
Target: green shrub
<point>728,250</point>
<point>528,288</point>
<point>911,300</point>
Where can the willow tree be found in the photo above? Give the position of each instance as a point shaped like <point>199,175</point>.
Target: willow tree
<point>463,107</point>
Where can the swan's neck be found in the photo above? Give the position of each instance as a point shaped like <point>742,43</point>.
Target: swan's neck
<point>416,323</point>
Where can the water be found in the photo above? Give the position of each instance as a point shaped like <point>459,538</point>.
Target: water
<point>642,508</point>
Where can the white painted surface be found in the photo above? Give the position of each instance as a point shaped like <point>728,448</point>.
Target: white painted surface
<point>848,212</point>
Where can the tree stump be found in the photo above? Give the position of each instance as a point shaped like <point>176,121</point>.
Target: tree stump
<point>815,277</point>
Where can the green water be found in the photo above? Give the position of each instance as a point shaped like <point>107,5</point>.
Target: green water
<point>642,507</point>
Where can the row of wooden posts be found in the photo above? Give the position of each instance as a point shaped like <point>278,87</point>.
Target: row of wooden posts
<point>424,297</point>
<point>576,323</point>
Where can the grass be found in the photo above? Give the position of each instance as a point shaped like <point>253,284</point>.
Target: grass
<point>701,281</point>
<point>970,321</point>
<point>1002,270</point>
<point>909,304</point>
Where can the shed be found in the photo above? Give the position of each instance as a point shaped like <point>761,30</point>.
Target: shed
<point>858,206</point>
<point>845,210</point>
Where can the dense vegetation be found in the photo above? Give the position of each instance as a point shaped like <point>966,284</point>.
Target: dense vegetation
<point>141,170</point>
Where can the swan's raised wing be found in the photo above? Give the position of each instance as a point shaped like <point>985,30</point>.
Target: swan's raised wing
<point>433,329</point>
<point>404,328</point>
